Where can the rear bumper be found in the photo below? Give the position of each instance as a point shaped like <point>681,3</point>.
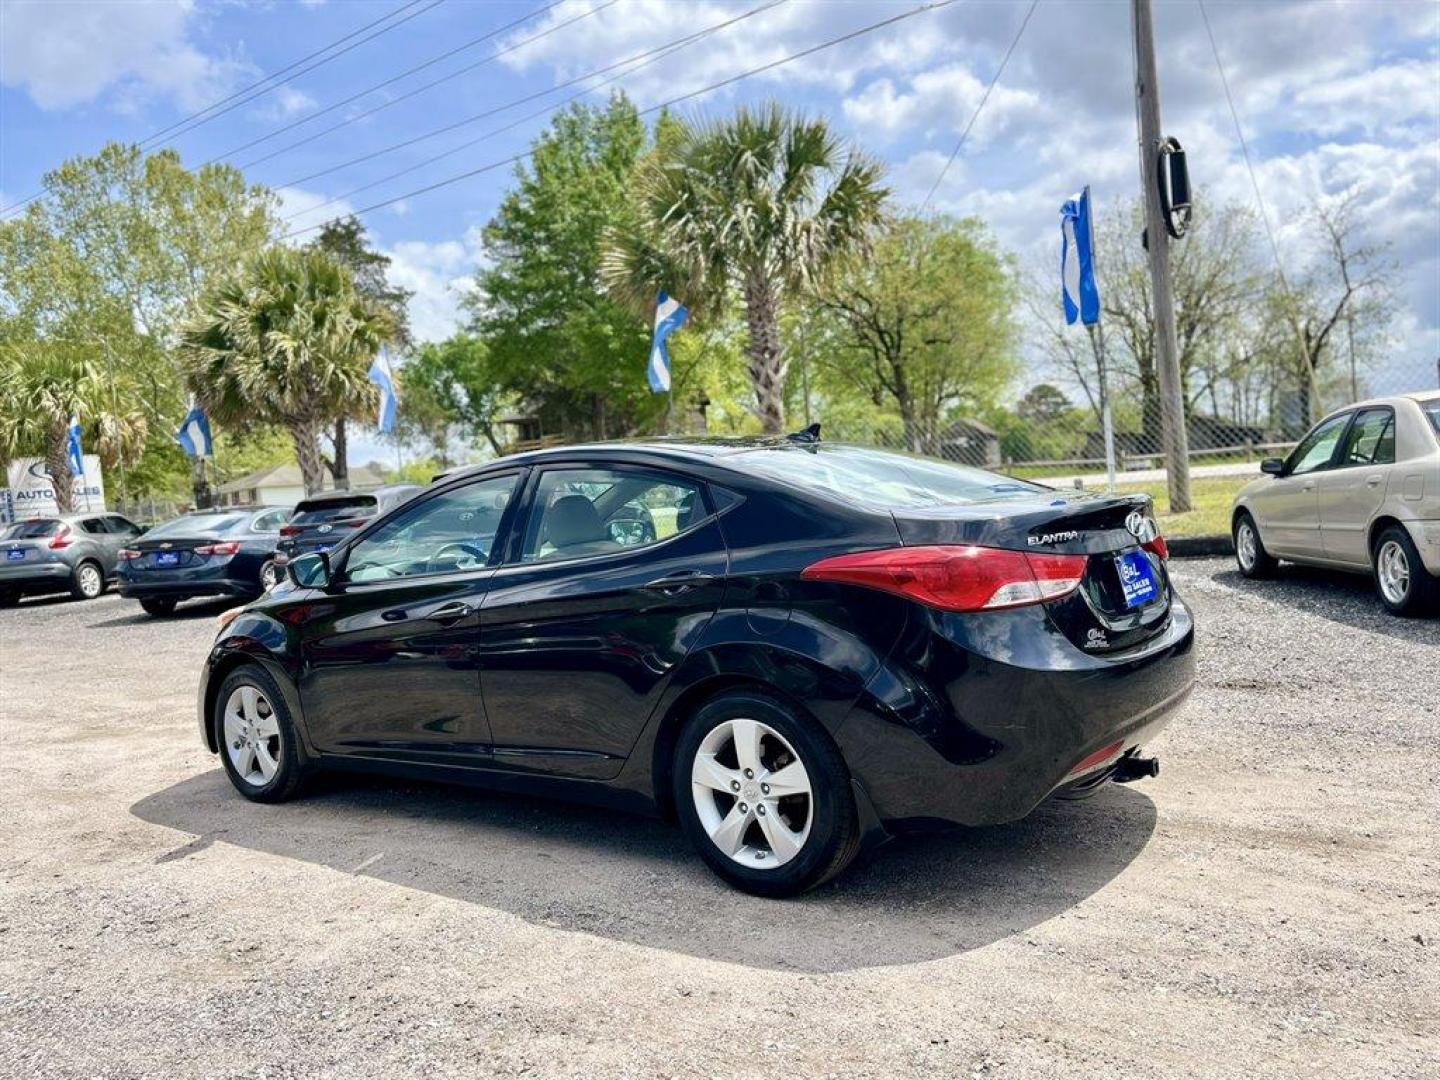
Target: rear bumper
<point>977,719</point>
<point>35,577</point>
<point>179,590</point>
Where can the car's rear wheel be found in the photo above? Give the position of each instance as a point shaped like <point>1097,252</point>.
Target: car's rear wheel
<point>157,606</point>
<point>1404,585</point>
<point>1250,554</point>
<point>87,581</point>
<point>9,597</point>
<point>256,736</point>
<point>764,795</point>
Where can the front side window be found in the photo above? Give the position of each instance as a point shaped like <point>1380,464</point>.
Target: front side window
<point>122,526</point>
<point>1371,440</point>
<point>449,533</point>
<point>94,526</point>
<point>580,512</point>
<point>1316,449</point>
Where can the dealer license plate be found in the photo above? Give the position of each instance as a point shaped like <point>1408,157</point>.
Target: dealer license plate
<point>167,558</point>
<point>1137,578</point>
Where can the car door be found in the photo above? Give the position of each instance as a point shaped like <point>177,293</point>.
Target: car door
<point>1287,511</point>
<point>103,544</point>
<point>390,666</point>
<point>1352,491</point>
<point>612,580</point>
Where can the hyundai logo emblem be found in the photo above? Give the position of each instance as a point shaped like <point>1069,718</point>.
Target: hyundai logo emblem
<point>1139,526</point>
<point>324,528</point>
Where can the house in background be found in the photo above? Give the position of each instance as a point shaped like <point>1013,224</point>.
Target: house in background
<point>280,485</point>
<point>970,442</point>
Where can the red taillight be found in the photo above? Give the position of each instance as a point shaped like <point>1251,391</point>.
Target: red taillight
<point>291,530</point>
<point>61,539</point>
<point>1158,546</point>
<point>957,578</point>
<point>225,547</point>
<point>128,553</point>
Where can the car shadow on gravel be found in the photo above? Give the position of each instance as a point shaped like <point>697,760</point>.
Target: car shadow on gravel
<point>1348,599</point>
<point>135,615</point>
<point>634,879</point>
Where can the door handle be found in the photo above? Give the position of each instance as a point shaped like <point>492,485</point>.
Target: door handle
<point>1308,485</point>
<point>451,612</point>
<point>1372,481</point>
<point>683,581</point>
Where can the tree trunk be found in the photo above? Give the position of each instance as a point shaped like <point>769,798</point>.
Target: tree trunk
<point>767,360</point>
<point>340,469</point>
<point>57,463</point>
<point>307,454</point>
<point>200,484</point>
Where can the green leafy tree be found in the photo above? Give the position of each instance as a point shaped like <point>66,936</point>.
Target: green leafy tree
<point>762,205</point>
<point>345,241</point>
<point>41,388</point>
<point>927,323</point>
<point>448,384</point>
<point>287,341</point>
<point>556,341</point>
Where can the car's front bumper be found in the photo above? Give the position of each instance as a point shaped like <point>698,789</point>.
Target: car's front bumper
<point>977,719</point>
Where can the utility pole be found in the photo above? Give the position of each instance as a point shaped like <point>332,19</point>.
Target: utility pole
<point>1167,353</point>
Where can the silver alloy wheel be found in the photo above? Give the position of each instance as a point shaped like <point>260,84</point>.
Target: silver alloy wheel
<point>1246,545</point>
<point>752,793</point>
<point>1392,570</point>
<point>91,583</point>
<point>269,575</point>
<point>252,735</point>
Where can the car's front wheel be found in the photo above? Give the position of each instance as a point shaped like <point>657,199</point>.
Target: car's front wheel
<point>256,736</point>
<point>87,581</point>
<point>270,575</point>
<point>1250,554</point>
<point>1404,585</point>
<point>764,795</point>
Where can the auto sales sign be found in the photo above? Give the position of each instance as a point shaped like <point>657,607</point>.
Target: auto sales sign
<point>32,493</point>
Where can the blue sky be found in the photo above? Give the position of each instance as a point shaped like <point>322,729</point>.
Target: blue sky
<point>1332,96</point>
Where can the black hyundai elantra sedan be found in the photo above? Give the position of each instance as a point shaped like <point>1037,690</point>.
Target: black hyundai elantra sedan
<point>788,645</point>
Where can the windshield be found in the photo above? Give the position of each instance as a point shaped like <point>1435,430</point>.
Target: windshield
<point>314,513</point>
<point>30,530</point>
<point>195,524</point>
<point>880,479</point>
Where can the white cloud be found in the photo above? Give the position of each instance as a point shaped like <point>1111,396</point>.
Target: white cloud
<point>301,209</point>
<point>67,54</point>
<point>942,100</point>
<point>284,103</point>
<point>439,275</point>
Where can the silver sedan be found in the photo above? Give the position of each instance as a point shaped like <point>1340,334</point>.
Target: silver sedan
<point>1360,492</point>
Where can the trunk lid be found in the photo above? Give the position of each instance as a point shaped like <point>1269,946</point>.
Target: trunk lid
<point>171,552</point>
<point>1115,607</point>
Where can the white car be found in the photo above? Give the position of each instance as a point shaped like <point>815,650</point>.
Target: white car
<point>1360,492</point>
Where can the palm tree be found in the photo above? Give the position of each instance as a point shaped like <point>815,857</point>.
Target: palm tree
<point>287,341</point>
<point>765,204</point>
<point>45,383</point>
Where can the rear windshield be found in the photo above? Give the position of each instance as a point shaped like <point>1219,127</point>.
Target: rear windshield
<point>314,513</point>
<point>30,530</point>
<point>197,524</point>
<point>882,479</point>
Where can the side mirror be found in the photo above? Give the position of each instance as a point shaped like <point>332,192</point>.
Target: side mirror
<point>1273,465</point>
<point>310,571</point>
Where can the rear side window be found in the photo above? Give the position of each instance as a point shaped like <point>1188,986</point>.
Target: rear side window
<point>1432,410</point>
<point>879,479</point>
<point>32,530</point>
<point>579,512</point>
<point>269,523</point>
<point>318,512</point>
<point>1371,440</point>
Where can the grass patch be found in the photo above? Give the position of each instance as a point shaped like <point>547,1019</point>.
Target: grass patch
<point>1210,496</point>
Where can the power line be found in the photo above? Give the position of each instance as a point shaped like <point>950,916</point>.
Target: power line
<point>409,93</point>
<point>872,27</point>
<point>287,68</point>
<point>199,117</point>
<point>980,107</point>
<point>649,56</point>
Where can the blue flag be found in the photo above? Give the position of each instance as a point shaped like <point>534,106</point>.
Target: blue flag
<point>670,315</point>
<point>1078,288</point>
<point>77,456</point>
<point>389,403</point>
<point>194,434</point>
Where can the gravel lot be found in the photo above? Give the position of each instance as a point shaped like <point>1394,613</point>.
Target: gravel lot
<point>1270,906</point>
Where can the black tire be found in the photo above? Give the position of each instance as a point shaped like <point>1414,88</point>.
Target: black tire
<point>283,748</point>
<point>834,833</point>
<point>158,605</point>
<point>9,597</point>
<point>269,575</point>
<point>87,580</point>
<point>1422,594</point>
<point>1262,564</point>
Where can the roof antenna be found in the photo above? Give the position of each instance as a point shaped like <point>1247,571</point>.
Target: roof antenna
<point>810,435</point>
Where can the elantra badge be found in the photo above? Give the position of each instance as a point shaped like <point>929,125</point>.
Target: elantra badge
<point>1055,538</point>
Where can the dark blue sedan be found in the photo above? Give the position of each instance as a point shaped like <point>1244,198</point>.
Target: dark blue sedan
<point>224,552</point>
